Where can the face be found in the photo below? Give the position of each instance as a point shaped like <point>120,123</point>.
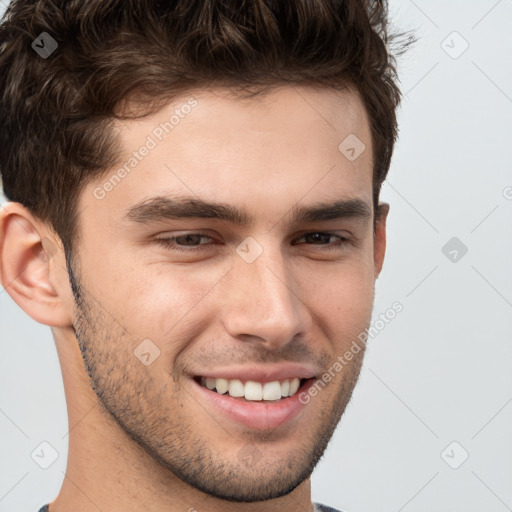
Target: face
<point>175,297</point>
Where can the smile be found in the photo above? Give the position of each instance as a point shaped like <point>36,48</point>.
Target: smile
<point>251,390</point>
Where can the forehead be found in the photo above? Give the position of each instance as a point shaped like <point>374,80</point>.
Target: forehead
<point>262,152</point>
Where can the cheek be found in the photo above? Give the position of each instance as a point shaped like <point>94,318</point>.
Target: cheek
<point>348,283</point>
<point>342,299</point>
<point>160,302</point>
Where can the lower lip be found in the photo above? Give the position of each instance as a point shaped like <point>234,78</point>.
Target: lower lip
<point>257,415</point>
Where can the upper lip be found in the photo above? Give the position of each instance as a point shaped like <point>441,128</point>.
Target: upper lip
<point>261,373</point>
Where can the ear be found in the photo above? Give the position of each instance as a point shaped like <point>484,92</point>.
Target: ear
<point>379,239</point>
<point>32,267</point>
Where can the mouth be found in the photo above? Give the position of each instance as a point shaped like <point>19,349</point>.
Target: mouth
<point>260,403</point>
<point>252,391</point>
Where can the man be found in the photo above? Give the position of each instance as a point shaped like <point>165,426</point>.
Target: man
<point>194,211</point>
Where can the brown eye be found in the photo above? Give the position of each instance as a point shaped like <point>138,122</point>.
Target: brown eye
<point>325,236</point>
<point>191,240</point>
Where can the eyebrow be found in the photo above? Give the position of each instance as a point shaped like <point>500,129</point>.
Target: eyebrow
<point>162,208</point>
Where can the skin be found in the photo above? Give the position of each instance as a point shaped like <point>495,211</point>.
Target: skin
<point>140,438</point>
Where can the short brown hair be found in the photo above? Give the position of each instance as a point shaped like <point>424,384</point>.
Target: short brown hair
<point>57,112</point>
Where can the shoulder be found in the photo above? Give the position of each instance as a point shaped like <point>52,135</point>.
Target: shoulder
<point>319,507</point>
<point>43,509</point>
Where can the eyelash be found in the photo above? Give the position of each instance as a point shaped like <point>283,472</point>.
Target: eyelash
<point>170,243</point>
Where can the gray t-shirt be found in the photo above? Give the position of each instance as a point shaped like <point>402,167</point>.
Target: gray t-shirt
<point>318,508</point>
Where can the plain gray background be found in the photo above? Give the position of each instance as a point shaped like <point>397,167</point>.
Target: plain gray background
<point>429,426</point>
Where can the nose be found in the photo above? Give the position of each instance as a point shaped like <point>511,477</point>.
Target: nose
<point>263,301</point>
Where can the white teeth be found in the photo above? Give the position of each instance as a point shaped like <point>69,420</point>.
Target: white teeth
<point>221,385</point>
<point>236,388</point>
<point>252,390</point>
<point>294,386</point>
<point>272,390</point>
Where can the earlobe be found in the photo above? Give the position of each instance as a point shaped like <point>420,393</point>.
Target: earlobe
<point>380,237</point>
<point>30,270</point>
